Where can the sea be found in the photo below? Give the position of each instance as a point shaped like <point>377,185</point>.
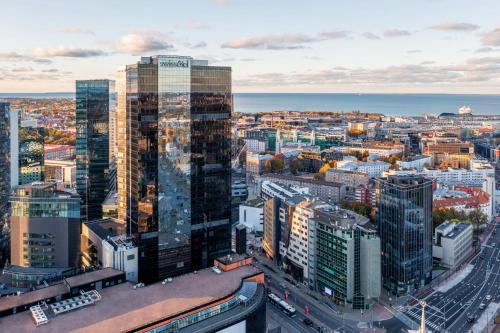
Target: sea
<point>387,104</point>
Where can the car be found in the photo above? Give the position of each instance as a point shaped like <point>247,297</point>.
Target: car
<point>308,322</point>
<point>482,306</point>
<point>471,318</point>
<point>488,298</point>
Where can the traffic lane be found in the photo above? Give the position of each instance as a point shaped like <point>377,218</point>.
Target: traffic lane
<point>294,324</point>
<point>456,294</point>
<point>491,289</point>
<point>490,285</point>
<point>325,317</point>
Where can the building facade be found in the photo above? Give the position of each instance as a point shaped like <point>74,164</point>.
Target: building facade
<point>45,227</point>
<point>404,215</point>
<point>452,243</point>
<point>92,144</point>
<point>174,179</point>
<point>347,261</point>
<point>4,160</point>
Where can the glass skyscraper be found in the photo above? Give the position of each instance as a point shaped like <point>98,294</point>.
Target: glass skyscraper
<point>4,162</point>
<point>31,154</point>
<point>93,100</point>
<point>174,179</point>
<point>404,212</point>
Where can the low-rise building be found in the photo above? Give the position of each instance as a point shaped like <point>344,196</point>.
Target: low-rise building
<point>372,169</point>
<point>233,300</point>
<point>255,163</point>
<point>452,243</point>
<point>252,215</point>
<point>417,162</point>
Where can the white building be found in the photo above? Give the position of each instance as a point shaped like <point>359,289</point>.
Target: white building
<point>120,253</point>
<point>255,145</point>
<point>271,189</point>
<point>416,162</point>
<point>452,242</point>
<point>14,148</point>
<point>252,215</point>
<point>372,169</point>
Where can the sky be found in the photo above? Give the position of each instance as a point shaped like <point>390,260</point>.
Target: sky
<point>329,46</point>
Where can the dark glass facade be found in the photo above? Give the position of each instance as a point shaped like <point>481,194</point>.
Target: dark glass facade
<point>92,144</point>
<point>177,164</point>
<point>31,154</point>
<point>404,205</point>
<point>4,161</point>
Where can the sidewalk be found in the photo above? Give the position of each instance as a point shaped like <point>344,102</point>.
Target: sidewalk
<point>353,316</point>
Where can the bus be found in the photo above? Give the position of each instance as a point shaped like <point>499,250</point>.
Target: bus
<point>282,305</point>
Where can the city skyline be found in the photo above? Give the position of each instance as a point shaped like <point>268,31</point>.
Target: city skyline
<point>430,46</point>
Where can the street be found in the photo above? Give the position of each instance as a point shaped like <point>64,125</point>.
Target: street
<point>448,311</point>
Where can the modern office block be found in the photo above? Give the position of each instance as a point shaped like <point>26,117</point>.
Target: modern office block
<point>4,160</point>
<point>93,100</point>
<point>45,226</point>
<point>404,213</point>
<point>241,239</point>
<point>31,154</point>
<point>174,170</point>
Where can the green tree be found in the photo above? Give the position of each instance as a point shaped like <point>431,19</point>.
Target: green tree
<point>295,166</point>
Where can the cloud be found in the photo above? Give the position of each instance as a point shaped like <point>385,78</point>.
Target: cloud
<point>42,61</point>
<point>473,71</point>
<point>197,25</point>
<point>492,38</point>
<point>396,33</point>
<point>414,51</point>
<point>50,70</point>
<point>334,34</point>
<point>455,26</point>
<point>11,56</point>
<point>75,31</point>
<point>283,42</point>
<point>199,45</point>
<point>370,35</point>
<point>68,52</point>
<point>222,2</point>
<point>21,69</point>
<point>487,49</point>
<point>137,43</point>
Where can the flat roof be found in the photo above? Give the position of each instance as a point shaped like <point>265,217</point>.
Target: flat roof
<point>123,308</point>
<point>10,302</point>
<point>89,277</point>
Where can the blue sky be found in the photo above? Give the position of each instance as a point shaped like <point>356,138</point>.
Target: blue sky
<point>441,46</point>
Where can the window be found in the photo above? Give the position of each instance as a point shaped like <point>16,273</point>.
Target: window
<point>131,257</point>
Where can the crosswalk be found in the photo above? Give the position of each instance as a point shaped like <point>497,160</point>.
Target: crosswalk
<point>415,314</point>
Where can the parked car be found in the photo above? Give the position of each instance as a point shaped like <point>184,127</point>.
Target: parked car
<point>482,306</point>
<point>308,322</point>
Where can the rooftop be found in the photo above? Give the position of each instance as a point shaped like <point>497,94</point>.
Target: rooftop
<point>124,308</point>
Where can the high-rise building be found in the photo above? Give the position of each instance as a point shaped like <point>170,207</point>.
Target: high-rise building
<point>93,101</point>
<point>26,150</point>
<point>4,161</point>
<point>404,213</point>
<point>174,182</point>
<point>347,251</point>
<point>45,226</point>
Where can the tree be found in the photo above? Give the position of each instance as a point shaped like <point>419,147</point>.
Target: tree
<point>274,165</point>
<point>295,166</point>
<point>444,214</point>
<point>477,218</point>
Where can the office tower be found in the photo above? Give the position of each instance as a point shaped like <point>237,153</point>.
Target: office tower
<point>92,144</point>
<point>4,160</point>
<point>177,170</point>
<point>347,251</point>
<point>241,239</point>
<point>121,132</point>
<point>26,150</point>
<point>404,213</point>
<point>31,154</point>
<point>45,226</point>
